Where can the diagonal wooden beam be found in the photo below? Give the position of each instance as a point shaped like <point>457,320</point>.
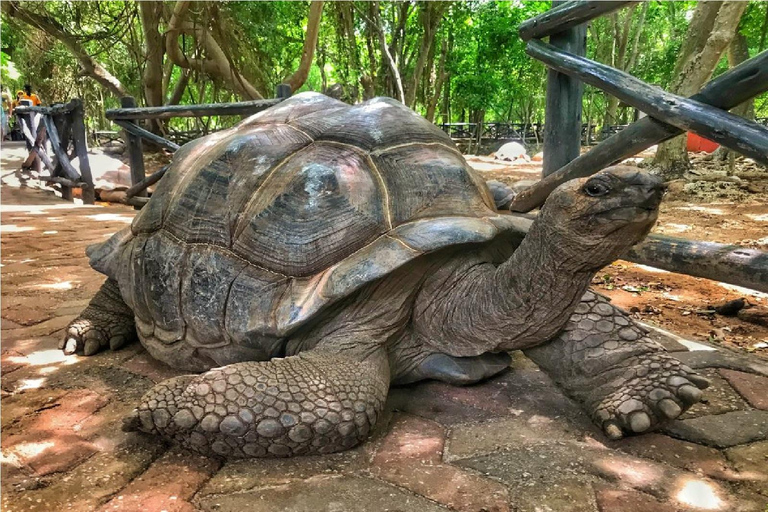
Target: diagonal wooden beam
<point>726,91</point>
<point>741,135</point>
<point>566,16</point>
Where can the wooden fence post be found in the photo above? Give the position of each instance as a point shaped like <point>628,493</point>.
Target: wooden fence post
<point>283,91</point>
<point>135,150</point>
<point>562,122</point>
<point>77,126</point>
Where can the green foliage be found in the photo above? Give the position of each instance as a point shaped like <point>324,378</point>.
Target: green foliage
<point>489,75</point>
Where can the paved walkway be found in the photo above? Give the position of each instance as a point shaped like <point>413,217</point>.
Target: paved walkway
<point>514,443</point>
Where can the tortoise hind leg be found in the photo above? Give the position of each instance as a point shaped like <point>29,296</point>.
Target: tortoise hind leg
<point>314,402</point>
<point>107,322</point>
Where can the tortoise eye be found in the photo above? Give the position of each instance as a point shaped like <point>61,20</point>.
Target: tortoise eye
<point>596,189</point>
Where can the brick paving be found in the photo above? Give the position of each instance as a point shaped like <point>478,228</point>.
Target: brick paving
<point>515,443</point>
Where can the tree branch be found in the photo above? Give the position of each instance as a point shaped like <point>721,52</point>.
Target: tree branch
<point>298,78</point>
<point>46,23</point>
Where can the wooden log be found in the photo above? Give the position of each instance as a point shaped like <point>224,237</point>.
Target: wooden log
<point>135,150</point>
<point>62,181</point>
<point>63,164</point>
<point>65,130</point>
<point>724,263</point>
<point>566,15</point>
<point>141,132</point>
<point>562,124</point>
<point>170,111</point>
<point>743,136</point>
<point>726,91</point>
<point>146,182</point>
<point>77,118</point>
<point>136,202</point>
<point>38,149</point>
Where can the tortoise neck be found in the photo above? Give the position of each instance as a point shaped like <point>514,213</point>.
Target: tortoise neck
<point>539,286</point>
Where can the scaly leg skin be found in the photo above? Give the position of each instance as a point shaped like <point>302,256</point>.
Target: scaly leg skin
<point>107,322</point>
<point>627,383</point>
<point>312,403</point>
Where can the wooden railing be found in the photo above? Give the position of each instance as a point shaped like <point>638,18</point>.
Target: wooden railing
<point>128,116</point>
<point>63,124</point>
<point>669,115</point>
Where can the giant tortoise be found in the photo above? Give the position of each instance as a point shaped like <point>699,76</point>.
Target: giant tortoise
<point>316,253</point>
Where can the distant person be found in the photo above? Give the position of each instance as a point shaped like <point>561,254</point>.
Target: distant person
<point>17,101</point>
<point>28,122</point>
<point>6,113</point>
<point>32,97</point>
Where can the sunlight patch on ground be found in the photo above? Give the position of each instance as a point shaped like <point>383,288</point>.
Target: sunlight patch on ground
<point>62,285</point>
<point>13,228</point>
<point>696,347</point>
<point>701,495</point>
<point>705,209</point>
<point>40,209</point>
<point>50,232</point>
<point>760,218</point>
<point>41,357</point>
<point>637,475</point>
<point>30,450</point>
<point>110,216</point>
<point>671,227</point>
<point>25,384</point>
<point>651,269</point>
<point>744,291</point>
<point>10,459</point>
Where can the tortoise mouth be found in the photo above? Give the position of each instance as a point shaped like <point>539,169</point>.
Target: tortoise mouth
<point>626,216</point>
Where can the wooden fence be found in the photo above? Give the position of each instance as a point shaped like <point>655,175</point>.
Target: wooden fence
<point>705,113</point>
<point>64,126</point>
<point>128,116</point>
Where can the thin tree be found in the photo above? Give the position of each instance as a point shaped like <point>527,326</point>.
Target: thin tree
<point>711,30</point>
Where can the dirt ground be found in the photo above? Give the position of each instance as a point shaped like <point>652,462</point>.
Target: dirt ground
<point>706,206</point>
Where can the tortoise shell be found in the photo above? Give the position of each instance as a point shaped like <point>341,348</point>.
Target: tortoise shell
<point>254,229</point>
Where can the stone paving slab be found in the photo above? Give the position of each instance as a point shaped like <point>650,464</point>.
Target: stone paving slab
<point>514,443</point>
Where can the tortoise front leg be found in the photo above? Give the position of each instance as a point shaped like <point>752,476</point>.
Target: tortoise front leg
<point>626,382</point>
<point>310,403</point>
<point>107,322</point>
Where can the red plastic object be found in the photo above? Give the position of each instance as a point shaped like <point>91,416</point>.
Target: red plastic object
<point>697,143</point>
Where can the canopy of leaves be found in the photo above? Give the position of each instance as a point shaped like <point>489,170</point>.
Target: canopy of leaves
<point>475,64</point>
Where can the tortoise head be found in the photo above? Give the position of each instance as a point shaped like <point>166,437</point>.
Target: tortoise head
<point>598,218</point>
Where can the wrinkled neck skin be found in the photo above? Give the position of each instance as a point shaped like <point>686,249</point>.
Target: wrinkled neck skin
<point>471,306</point>
<point>540,285</point>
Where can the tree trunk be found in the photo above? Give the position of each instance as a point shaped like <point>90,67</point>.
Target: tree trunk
<point>439,80</point>
<point>376,25</point>
<point>738,52</point>
<point>215,62</point>
<point>298,78</point>
<point>154,52</point>
<point>431,14</point>
<point>711,30</point>
<point>90,66</point>
<point>620,61</point>
<point>178,90</point>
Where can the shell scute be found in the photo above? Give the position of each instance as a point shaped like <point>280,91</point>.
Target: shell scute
<point>319,207</point>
